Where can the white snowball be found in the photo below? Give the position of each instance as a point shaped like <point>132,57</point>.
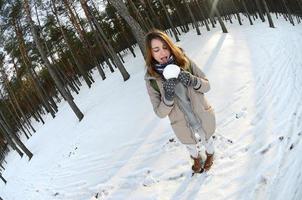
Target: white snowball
<point>171,71</point>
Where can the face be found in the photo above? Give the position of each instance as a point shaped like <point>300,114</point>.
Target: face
<point>160,51</point>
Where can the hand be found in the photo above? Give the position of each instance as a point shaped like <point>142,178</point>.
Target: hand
<point>169,88</point>
<point>187,79</point>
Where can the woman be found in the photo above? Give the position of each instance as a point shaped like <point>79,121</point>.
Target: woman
<point>180,97</point>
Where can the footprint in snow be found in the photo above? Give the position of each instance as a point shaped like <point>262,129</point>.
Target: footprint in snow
<point>241,113</point>
<point>149,181</point>
<point>265,150</point>
<point>56,194</point>
<point>172,143</point>
<point>173,178</point>
<point>72,152</point>
<point>102,194</point>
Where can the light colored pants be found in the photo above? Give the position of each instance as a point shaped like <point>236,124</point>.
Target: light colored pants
<point>194,149</point>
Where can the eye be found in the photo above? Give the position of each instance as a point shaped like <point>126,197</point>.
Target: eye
<point>156,50</point>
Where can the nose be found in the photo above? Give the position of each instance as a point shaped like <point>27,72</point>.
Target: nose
<point>162,53</point>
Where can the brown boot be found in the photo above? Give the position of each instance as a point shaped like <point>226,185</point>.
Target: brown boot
<point>197,166</point>
<point>209,161</point>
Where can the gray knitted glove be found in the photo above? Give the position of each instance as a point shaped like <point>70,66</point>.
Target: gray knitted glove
<point>169,88</point>
<point>187,79</point>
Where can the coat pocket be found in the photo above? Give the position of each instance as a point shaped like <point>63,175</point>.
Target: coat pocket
<point>208,121</point>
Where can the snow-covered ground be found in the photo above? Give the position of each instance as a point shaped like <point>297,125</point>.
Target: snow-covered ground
<point>121,150</point>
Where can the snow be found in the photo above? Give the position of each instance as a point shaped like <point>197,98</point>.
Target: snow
<point>121,150</point>
<point>171,71</point>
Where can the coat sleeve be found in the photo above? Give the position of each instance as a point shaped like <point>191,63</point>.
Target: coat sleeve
<point>160,108</point>
<point>203,84</point>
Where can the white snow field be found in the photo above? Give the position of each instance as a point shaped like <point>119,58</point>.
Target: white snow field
<point>122,150</point>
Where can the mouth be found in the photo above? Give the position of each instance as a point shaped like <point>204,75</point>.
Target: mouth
<point>164,59</point>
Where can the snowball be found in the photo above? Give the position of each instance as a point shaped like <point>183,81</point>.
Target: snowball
<point>171,71</point>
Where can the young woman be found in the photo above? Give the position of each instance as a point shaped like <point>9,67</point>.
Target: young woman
<point>181,97</point>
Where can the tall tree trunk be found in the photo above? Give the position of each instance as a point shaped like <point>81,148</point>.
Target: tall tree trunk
<point>87,44</point>
<point>91,50</point>
<point>208,12</point>
<point>116,59</point>
<point>50,54</point>
<point>270,20</point>
<point>13,136</point>
<point>192,17</point>
<point>15,117</point>
<point>105,52</point>
<point>64,79</point>
<point>147,16</point>
<point>70,46</point>
<point>38,43</point>
<point>12,98</point>
<point>237,12</point>
<point>288,12</point>
<point>204,20</point>
<point>183,25</point>
<point>27,63</point>
<point>10,141</point>
<point>247,11</point>
<point>16,121</point>
<point>34,110</point>
<point>170,21</point>
<point>3,179</point>
<point>259,10</point>
<point>299,2</point>
<point>137,31</point>
<point>123,33</point>
<point>16,103</point>
<point>103,48</point>
<point>138,16</point>
<point>2,155</point>
<point>216,11</point>
<point>155,16</point>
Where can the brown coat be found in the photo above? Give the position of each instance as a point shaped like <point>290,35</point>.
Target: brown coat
<point>200,106</point>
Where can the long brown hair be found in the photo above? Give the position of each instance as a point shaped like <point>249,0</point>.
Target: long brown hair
<point>178,54</point>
